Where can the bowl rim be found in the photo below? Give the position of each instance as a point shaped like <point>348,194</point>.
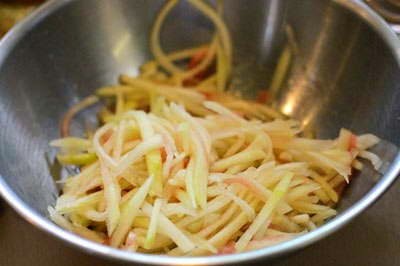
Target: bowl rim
<point>359,9</point>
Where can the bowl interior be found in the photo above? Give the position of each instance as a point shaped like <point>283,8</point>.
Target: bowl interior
<point>344,74</point>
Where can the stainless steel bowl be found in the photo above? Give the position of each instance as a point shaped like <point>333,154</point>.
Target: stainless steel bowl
<point>346,74</point>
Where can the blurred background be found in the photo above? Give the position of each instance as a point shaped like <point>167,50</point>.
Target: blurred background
<point>12,11</point>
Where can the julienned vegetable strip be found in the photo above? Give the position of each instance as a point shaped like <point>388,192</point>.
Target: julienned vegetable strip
<point>112,194</point>
<point>168,228</point>
<point>180,167</point>
<point>88,101</point>
<point>77,159</point>
<point>265,213</point>
<point>153,158</point>
<point>129,212</point>
<point>151,232</point>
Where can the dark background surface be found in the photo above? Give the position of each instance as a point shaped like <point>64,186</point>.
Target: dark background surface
<point>371,239</point>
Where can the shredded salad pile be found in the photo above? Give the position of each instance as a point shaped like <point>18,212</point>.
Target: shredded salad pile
<point>180,167</point>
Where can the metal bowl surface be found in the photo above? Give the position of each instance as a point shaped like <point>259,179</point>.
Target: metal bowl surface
<point>346,74</point>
